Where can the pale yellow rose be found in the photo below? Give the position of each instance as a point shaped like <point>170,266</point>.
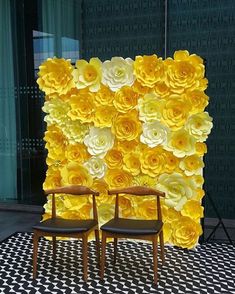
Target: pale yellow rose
<point>104,97</point>
<point>201,148</point>
<point>184,72</point>
<point>132,163</point>
<point>193,209</point>
<point>114,158</point>
<point>75,131</point>
<point>82,106</point>
<point>104,116</point>
<point>140,89</point>
<point>152,161</point>
<point>126,126</point>
<point>154,134</point>
<point>181,143</point>
<point>150,108</point>
<point>185,232</point>
<point>88,74</point>
<point>99,141</point>
<point>75,174</point>
<point>197,99</point>
<point>76,152</point>
<point>125,99</point>
<point>105,212</point>
<point>53,178</point>
<point>199,126</point>
<point>96,167</point>
<point>192,165</point>
<point>178,189</point>
<point>57,111</point>
<point>149,70</point>
<point>162,90</point>
<point>127,146</point>
<point>118,72</point>
<point>117,178</point>
<point>55,76</point>
<point>144,180</point>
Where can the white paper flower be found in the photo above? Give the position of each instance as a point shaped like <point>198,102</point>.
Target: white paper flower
<point>178,189</point>
<point>99,141</point>
<point>118,72</point>
<point>96,167</point>
<point>150,108</point>
<point>154,134</point>
<point>199,126</point>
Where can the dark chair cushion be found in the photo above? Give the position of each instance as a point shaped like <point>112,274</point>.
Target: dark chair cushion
<point>59,225</point>
<point>132,226</point>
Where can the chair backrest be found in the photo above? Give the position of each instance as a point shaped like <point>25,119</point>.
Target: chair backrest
<point>138,191</point>
<point>73,190</point>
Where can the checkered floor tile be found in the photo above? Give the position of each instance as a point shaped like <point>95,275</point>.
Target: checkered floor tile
<point>208,269</point>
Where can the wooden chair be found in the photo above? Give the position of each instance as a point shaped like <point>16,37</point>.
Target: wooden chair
<point>58,227</point>
<point>134,228</point>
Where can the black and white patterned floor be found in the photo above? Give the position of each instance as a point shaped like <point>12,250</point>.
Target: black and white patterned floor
<point>209,269</point>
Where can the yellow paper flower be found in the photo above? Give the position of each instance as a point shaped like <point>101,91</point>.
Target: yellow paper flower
<point>149,70</point>
<point>144,180</point>
<point>199,126</point>
<point>126,206</point>
<point>171,162</point>
<point>152,161</point>
<point>197,99</point>
<point>55,76</point>
<point>140,89</point>
<point>53,178</point>
<point>184,72</point>
<point>146,209</point>
<point>102,187</point>
<point>200,193</point>
<point>88,74</point>
<point>104,96</point>
<point>132,163</point>
<point>114,158</point>
<point>175,112</point>
<point>192,165</point>
<point>181,143</point>
<point>96,167</point>
<point>72,202</point>
<point>104,116</point>
<point>105,212</point>
<point>76,174</point>
<point>127,146</point>
<point>126,126</point>
<point>82,107</point>
<point>167,232</point>
<point>75,131</point>
<point>118,72</point>
<point>76,152</point>
<point>99,141</point>
<point>178,189</point>
<point>198,180</point>
<point>201,148</point>
<point>117,178</point>
<point>59,202</point>
<point>150,108</point>
<point>185,232</point>
<point>161,89</point>
<point>193,209</point>
<point>154,134</point>
<point>125,99</point>
<point>169,214</point>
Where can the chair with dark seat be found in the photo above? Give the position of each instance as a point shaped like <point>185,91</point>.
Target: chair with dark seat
<point>134,228</point>
<point>58,227</point>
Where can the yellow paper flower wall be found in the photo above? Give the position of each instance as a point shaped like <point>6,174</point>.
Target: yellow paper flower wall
<point>129,122</point>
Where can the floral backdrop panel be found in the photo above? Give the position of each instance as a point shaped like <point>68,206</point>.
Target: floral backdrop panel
<point>125,122</point>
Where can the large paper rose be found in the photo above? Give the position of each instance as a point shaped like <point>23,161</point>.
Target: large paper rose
<point>178,189</point>
<point>154,134</point>
<point>76,152</point>
<point>75,131</point>
<point>114,158</point>
<point>96,167</point>
<point>127,146</point>
<point>150,108</point>
<point>99,141</point>
<point>125,99</point>
<point>162,90</point>
<point>75,174</point>
<point>126,126</point>
<point>117,178</point>
<point>192,165</point>
<point>57,111</point>
<point>199,126</point>
<point>201,148</point>
<point>197,99</point>
<point>88,74</point>
<point>146,209</point>
<point>193,209</point>
<point>184,72</point>
<point>104,116</point>
<point>55,76</point>
<point>132,163</point>
<point>118,72</point>
<point>148,70</point>
<point>53,178</point>
<point>185,232</point>
<point>104,96</point>
<point>171,162</point>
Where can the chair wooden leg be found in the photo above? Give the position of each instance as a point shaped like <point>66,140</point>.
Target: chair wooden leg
<point>84,257</point>
<point>35,254</point>
<point>155,249</point>
<point>54,247</point>
<point>115,250</point>
<point>97,241</point>
<point>162,247</point>
<point>103,249</point>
